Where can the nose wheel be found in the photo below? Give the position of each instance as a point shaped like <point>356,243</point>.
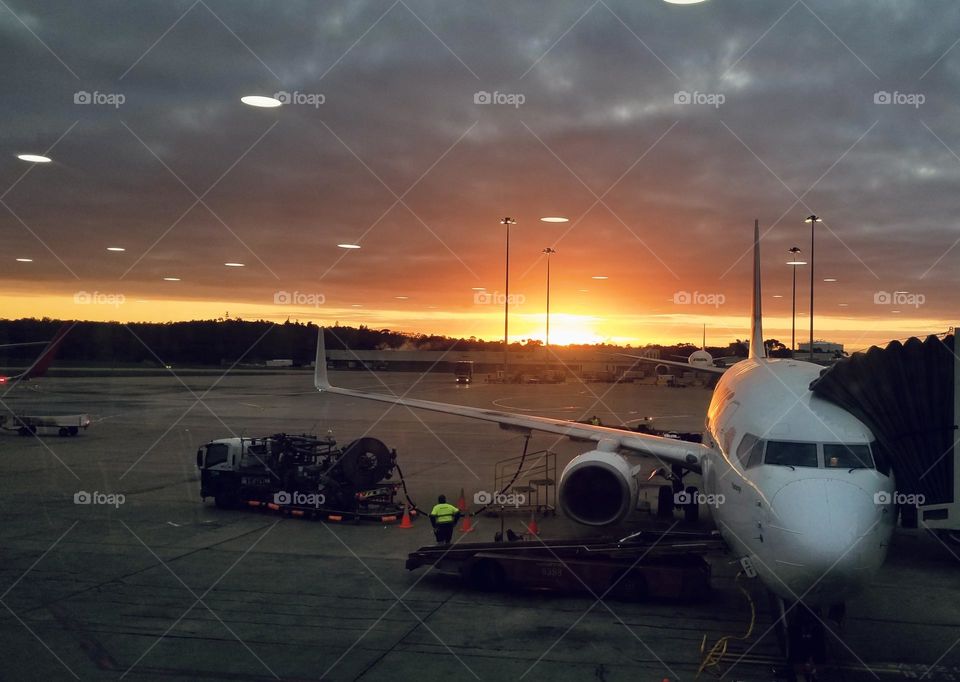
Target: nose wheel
<point>801,633</point>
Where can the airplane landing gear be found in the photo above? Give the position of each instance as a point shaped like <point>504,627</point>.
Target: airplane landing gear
<point>802,636</point>
<point>669,497</point>
<point>665,502</point>
<point>691,508</point>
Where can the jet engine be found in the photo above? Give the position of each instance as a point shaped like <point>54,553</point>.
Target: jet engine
<point>598,488</point>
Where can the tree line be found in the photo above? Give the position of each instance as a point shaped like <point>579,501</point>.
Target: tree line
<point>215,342</point>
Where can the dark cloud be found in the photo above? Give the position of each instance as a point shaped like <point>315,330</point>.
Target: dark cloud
<point>798,129</point>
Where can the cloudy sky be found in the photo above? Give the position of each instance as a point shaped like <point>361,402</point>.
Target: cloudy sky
<point>412,126</point>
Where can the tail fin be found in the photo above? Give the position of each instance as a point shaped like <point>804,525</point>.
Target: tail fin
<point>320,368</point>
<point>756,317</point>
<point>42,363</point>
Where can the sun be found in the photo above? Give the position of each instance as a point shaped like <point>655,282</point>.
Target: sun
<point>565,329</point>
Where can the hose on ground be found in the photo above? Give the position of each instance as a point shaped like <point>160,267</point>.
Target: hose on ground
<point>715,655</point>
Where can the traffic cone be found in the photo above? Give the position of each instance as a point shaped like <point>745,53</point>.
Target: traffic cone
<point>462,502</point>
<point>532,527</point>
<point>406,522</point>
<point>467,526</point>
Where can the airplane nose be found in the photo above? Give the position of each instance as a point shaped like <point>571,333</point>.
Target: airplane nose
<point>819,528</point>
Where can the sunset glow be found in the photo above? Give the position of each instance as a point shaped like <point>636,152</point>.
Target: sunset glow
<point>286,193</point>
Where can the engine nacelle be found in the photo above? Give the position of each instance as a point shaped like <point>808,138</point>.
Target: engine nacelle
<point>598,488</point>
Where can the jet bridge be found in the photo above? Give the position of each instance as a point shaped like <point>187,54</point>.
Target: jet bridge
<point>907,394</point>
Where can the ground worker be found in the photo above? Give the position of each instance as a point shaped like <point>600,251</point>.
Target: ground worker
<point>443,517</point>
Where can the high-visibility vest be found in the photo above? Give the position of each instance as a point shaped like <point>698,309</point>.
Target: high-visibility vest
<point>444,512</point>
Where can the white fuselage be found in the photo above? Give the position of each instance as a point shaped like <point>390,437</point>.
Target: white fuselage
<point>813,533</point>
<point>700,358</point>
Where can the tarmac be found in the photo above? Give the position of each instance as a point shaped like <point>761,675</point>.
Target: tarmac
<point>159,585</point>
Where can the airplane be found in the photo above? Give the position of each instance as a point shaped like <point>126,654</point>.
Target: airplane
<point>43,361</point>
<point>802,495</point>
<point>700,357</point>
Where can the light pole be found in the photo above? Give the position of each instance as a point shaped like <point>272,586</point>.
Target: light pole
<point>549,251</point>
<point>508,221</point>
<point>813,220</point>
<point>794,261</point>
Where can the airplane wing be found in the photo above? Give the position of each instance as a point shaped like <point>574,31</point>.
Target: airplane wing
<point>668,450</point>
<point>673,363</point>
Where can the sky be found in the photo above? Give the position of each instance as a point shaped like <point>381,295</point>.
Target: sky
<point>412,127</point>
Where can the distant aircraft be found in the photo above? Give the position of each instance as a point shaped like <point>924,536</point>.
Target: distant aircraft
<point>797,486</point>
<point>698,359</point>
<point>701,357</point>
<point>42,363</point>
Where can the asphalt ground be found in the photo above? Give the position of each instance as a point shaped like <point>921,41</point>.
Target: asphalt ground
<point>164,586</point>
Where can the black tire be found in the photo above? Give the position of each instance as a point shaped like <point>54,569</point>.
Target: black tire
<point>487,575</point>
<point>691,510</point>
<point>665,503</point>
<point>64,432</point>
<point>74,430</point>
<point>806,636</point>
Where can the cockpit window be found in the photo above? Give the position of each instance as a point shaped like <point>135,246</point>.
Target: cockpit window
<point>786,453</point>
<point>750,451</point>
<point>843,456</point>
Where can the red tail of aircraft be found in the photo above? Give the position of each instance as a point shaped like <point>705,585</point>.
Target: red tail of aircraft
<point>43,361</point>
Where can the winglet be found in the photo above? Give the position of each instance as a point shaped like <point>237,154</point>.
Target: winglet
<point>756,317</point>
<point>320,369</point>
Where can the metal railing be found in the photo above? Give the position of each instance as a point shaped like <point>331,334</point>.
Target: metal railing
<point>526,483</point>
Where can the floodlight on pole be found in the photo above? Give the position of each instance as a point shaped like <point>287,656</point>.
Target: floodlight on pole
<point>507,222</point>
<point>813,219</point>
<point>794,261</point>
<point>549,252</point>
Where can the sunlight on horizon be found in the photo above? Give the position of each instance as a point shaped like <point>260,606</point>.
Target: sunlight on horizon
<point>565,328</point>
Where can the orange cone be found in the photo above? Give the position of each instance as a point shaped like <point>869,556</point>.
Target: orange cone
<point>467,526</point>
<point>462,502</point>
<point>532,527</point>
<point>406,522</point>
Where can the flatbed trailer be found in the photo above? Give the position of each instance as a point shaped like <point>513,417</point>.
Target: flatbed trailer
<point>62,425</point>
<point>645,565</point>
<point>374,504</point>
